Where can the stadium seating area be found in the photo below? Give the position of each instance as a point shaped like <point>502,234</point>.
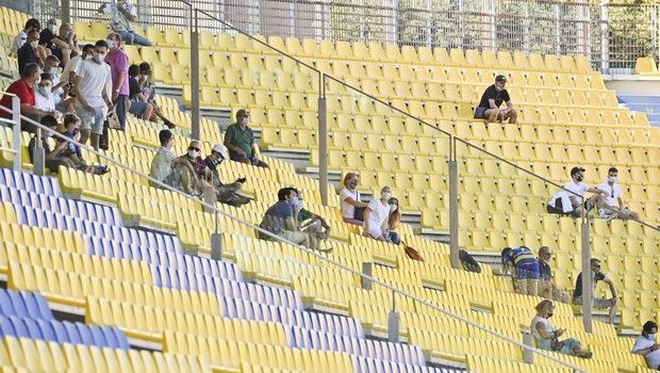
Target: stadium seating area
<point>117,251</point>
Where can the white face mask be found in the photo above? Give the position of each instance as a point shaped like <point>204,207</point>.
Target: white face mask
<point>34,44</point>
<point>298,203</point>
<point>393,208</point>
<point>54,71</point>
<point>48,134</point>
<point>652,337</point>
<point>244,121</point>
<point>295,202</point>
<point>111,43</point>
<point>52,28</point>
<point>44,91</point>
<point>193,153</point>
<point>611,179</point>
<point>99,57</point>
<point>386,195</point>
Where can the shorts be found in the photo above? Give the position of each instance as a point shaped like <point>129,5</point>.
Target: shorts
<point>599,303</point>
<point>89,121</point>
<point>528,271</point>
<point>479,112</point>
<point>293,236</point>
<point>137,107</point>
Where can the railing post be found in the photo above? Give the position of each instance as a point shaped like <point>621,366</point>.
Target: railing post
<point>216,240</point>
<point>587,287</point>
<point>66,11</point>
<point>453,206</point>
<point>16,117</point>
<point>367,270</point>
<point>323,142</point>
<point>393,322</point>
<point>38,154</point>
<point>195,131</point>
<point>605,38</point>
<point>528,354</point>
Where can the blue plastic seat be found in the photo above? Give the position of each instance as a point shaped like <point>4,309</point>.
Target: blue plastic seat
<point>6,326</point>
<point>47,329</point>
<point>20,329</point>
<point>73,335</point>
<point>24,304</point>
<point>86,336</point>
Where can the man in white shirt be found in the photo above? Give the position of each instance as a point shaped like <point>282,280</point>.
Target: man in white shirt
<point>568,201</point>
<point>43,96</point>
<point>613,206</point>
<point>646,346</point>
<point>93,86</point>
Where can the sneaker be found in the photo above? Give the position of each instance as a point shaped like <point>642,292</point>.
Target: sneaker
<point>602,214</point>
<point>169,124</point>
<point>326,250</point>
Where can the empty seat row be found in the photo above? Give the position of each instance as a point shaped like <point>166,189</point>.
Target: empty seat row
<point>63,332</point>
<point>24,304</point>
<point>29,182</point>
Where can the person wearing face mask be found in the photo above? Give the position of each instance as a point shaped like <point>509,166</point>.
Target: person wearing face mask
<point>239,139</point>
<point>22,36</point>
<point>280,220</point>
<point>31,52</point>
<point>352,207</point>
<point>230,194</point>
<point>376,215</point>
<point>547,287</point>
<point>68,74</point>
<point>547,337</point>
<point>568,201</point>
<point>52,157</point>
<point>93,82</point>
<point>312,224</point>
<point>393,221</point>
<point>119,64</point>
<point>52,67</point>
<point>190,174</point>
<point>598,303</point>
<point>491,100</point>
<point>25,88</point>
<point>647,346</point>
<point>44,98</point>
<point>613,205</point>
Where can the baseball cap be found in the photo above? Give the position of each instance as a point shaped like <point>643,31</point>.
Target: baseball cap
<point>164,135</point>
<point>220,148</point>
<point>576,169</point>
<point>500,78</point>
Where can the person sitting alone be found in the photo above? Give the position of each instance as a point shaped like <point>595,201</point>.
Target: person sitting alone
<point>491,100</point>
<point>547,337</point>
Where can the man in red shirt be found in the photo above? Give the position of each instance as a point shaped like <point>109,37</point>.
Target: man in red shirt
<point>24,89</point>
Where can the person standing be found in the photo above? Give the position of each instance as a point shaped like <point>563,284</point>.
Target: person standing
<point>613,205</point>
<point>525,266</point>
<point>30,52</point>
<point>21,38</point>
<point>119,64</point>
<point>93,84</point>
<point>489,107</point>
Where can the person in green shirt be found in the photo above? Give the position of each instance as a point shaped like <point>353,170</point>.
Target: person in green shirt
<point>239,139</point>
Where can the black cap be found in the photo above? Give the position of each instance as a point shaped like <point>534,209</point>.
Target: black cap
<point>500,79</point>
<point>576,169</point>
<point>164,135</point>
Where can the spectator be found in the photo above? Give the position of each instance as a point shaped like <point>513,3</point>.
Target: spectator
<point>568,201</point>
<point>646,345</point>
<point>121,15</point>
<point>22,36</point>
<point>59,45</point>
<point>547,288</point>
<point>376,215</point>
<point>491,100</point>
<point>68,74</point>
<point>138,104</point>
<point>24,88</point>
<point>72,151</point>
<point>613,206</point>
<point>118,61</point>
<point>239,139</point>
<point>51,67</point>
<point>161,165</point>
<point>352,207</point>
<point>547,337</point>
<point>189,174</point>
<point>149,92</point>
<point>599,303</point>
<point>30,52</point>
<point>525,267</point>
<point>44,98</point>
<point>393,221</point>
<point>229,194</point>
<point>52,159</point>
<point>310,223</point>
<point>280,219</point>
<point>93,84</point>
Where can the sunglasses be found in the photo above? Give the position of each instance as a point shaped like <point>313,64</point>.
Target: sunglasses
<point>195,149</point>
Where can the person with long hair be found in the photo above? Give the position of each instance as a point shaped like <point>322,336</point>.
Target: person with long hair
<point>547,337</point>
<point>393,221</point>
<point>352,206</point>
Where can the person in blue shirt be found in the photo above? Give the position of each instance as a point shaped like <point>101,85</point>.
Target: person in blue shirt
<point>525,266</point>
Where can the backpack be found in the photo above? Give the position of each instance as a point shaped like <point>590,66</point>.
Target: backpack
<point>469,264</point>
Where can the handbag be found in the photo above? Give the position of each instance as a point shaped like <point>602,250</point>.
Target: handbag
<point>556,345</point>
<point>412,253</point>
<point>359,213</point>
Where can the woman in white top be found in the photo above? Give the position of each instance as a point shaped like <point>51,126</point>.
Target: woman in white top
<point>375,216</point>
<point>546,336</point>
<point>350,199</point>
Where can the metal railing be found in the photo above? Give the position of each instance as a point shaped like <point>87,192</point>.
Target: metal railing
<point>611,35</point>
